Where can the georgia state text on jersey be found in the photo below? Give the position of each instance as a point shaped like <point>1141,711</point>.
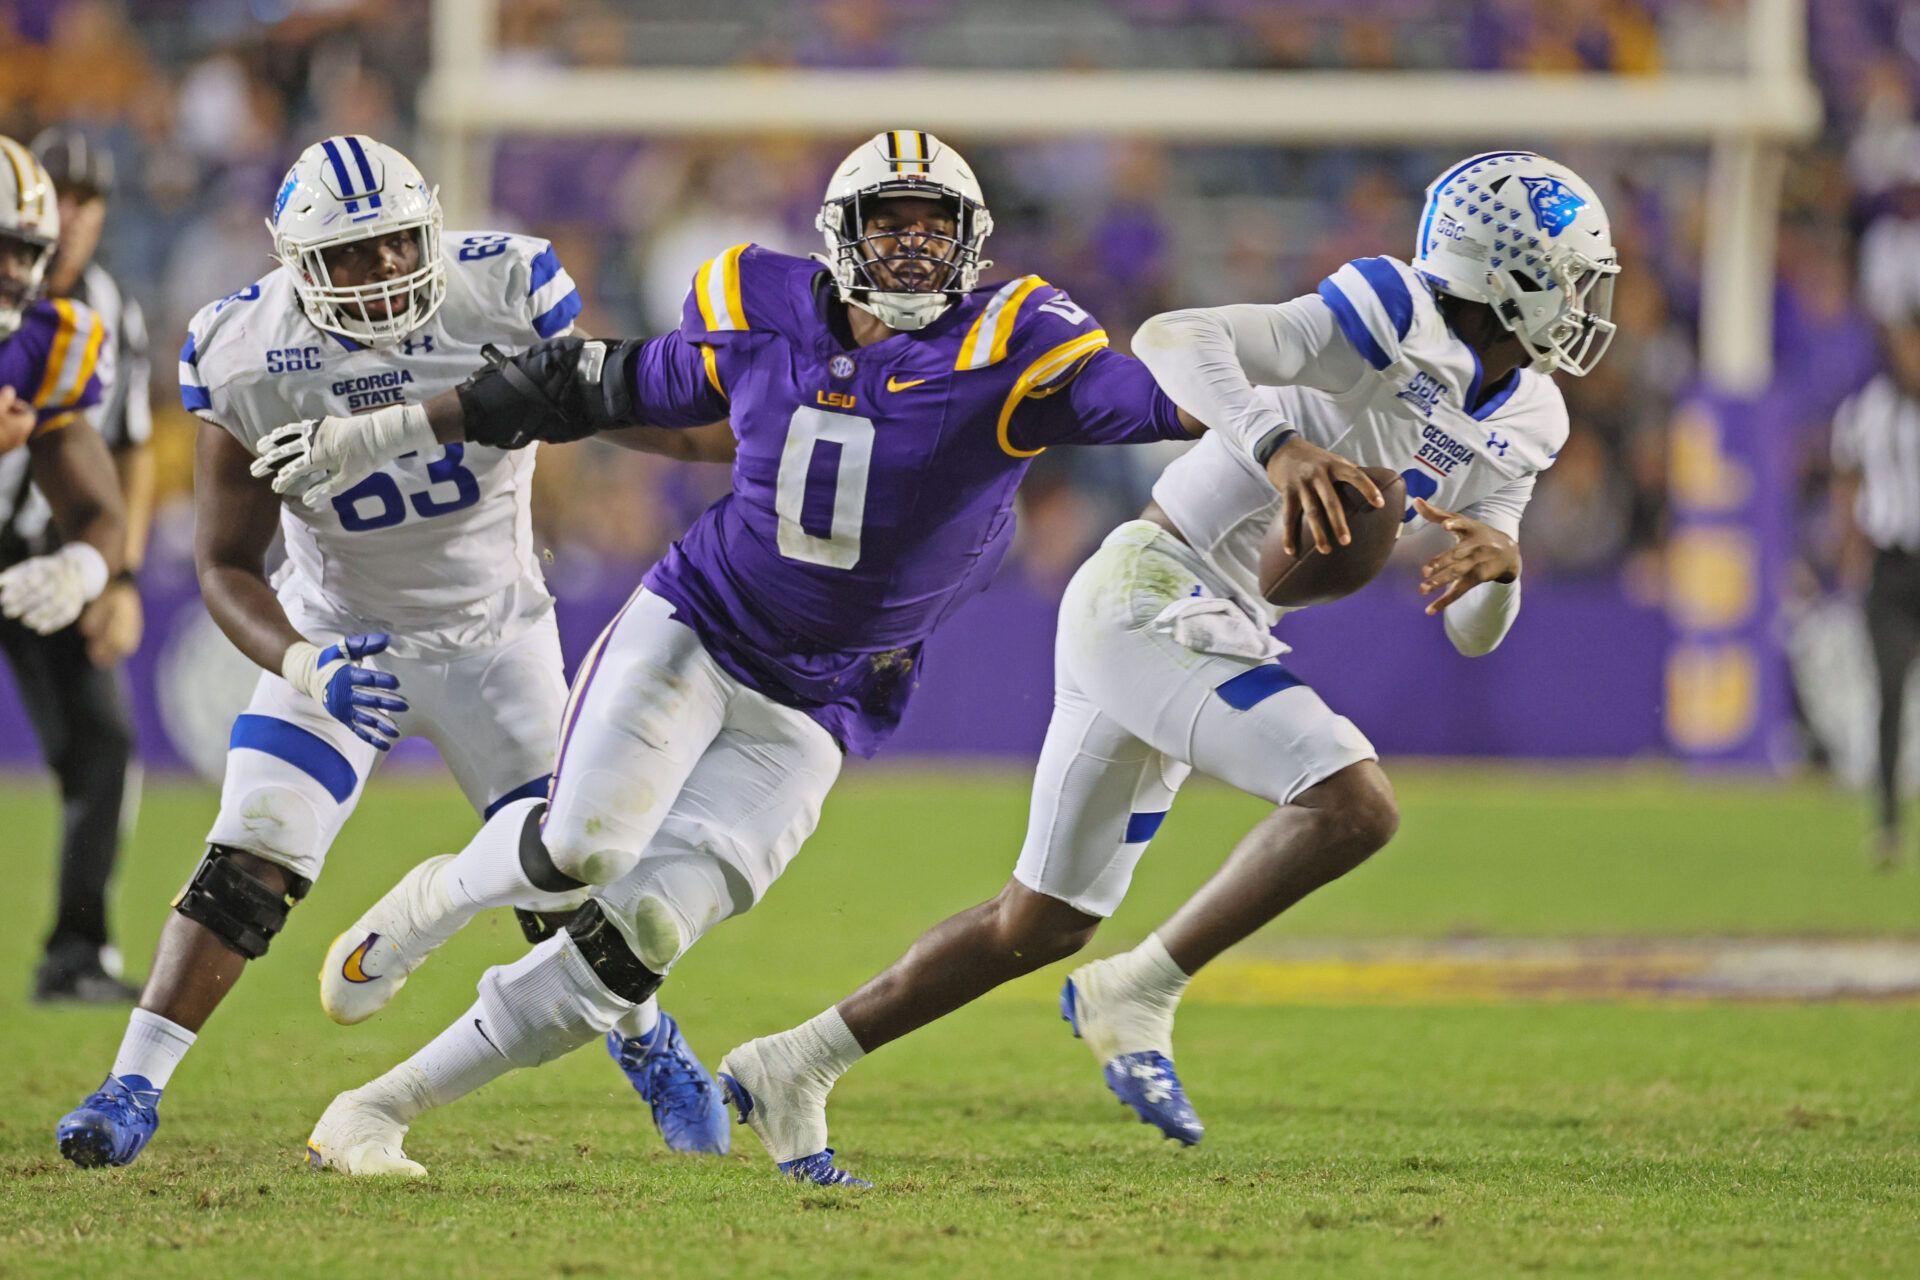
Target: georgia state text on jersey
<point>53,362</point>
<point>423,546</point>
<point>1386,383</point>
<point>873,486</point>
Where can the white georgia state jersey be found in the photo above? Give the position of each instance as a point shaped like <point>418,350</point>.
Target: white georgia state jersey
<point>438,550</point>
<point>1382,380</point>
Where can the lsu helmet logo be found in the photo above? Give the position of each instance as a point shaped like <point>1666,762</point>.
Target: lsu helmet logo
<point>1554,203</point>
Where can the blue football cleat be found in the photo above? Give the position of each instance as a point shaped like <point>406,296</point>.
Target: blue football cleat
<point>817,1168</point>
<point>687,1109</point>
<point>1144,1081</point>
<point>113,1125</point>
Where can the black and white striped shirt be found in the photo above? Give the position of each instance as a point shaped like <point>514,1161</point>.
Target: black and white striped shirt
<point>1877,434</point>
<point>124,416</point>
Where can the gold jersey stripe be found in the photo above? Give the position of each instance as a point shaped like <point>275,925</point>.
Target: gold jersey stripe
<point>716,289</point>
<point>1047,367</point>
<point>986,342</point>
<point>65,323</point>
<point>713,369</point>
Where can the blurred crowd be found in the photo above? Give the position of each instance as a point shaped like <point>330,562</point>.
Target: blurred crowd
<point>205,103</point>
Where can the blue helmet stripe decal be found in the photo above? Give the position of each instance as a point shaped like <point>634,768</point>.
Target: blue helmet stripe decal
<point>366,171</point>
<point>1392,290</point>
<point>339,167</point>
<point>1433,205</point>
<point>1352,325</point>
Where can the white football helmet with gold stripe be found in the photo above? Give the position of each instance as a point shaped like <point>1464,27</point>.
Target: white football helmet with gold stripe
<point>894,164</point>
<point>30,219</point>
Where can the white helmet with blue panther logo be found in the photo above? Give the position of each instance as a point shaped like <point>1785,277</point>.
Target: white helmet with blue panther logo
<point>352,188</point>
<point>1530,239</point>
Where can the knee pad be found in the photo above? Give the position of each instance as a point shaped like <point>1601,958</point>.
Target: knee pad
<point>234,905</point>
<point>609,956</point>
<point>547,1003</point>
<point>586,859</point>
<point>670,901</point>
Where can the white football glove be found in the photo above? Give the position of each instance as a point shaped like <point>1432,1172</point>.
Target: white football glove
<point>315,459</point>
<point>48,592</point>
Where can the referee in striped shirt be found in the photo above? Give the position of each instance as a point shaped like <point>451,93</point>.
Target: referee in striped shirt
<point>70,681</point>
<point>1876,466</point>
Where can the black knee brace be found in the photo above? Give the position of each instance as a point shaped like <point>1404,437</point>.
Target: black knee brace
<point>538,926</point>
<point>609,956</point>
<point>234,905</point>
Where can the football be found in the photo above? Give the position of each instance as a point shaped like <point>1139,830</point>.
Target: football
<point>1311,578</point>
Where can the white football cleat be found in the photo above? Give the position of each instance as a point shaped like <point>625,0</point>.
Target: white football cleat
<point>359,1138</point>
<point>368,964</point>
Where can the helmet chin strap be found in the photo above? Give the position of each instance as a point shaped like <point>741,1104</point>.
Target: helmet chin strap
<point>902,316</point>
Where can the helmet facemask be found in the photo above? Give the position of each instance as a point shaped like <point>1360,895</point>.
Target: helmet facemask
<point>18,292</point>
<point>936,270</point>
<point>410,300</point>
<point>1566,326</point>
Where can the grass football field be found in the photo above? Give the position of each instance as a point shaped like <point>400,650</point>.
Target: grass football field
<point>1390,1135</point>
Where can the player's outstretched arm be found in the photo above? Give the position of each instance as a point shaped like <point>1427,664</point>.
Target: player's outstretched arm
<point>235,515</point>
<point>73,469</point>
<point>712,443</point>
<point>555,391</point>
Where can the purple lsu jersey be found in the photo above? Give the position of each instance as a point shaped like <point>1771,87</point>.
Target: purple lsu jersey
<point>52,360</point>
<point>873,486</point>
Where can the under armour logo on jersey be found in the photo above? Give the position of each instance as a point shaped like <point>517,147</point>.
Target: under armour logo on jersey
<point>1498,445</point>
<point>1554,203</point>
<point>424,342</point>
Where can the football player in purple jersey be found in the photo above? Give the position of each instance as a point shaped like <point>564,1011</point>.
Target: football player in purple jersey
<point>885,407</point>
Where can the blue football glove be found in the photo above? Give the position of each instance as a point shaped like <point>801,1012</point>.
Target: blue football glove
<point>351,694</point>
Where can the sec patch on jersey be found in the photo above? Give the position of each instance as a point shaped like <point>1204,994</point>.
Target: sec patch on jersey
<point>1295,581</point>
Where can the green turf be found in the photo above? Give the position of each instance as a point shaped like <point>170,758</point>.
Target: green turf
<point>1622,1139</point>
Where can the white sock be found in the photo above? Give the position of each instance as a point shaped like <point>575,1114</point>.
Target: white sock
<point>639,1020</point>
<point>824,1044</point>
<point>452,1065</point>
<point>1153,974</point>
<point>152,1047</point>
<point>487,873</point>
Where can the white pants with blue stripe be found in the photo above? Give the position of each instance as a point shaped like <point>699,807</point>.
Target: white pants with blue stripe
<point>1135,713</point>
<point>294,773</point>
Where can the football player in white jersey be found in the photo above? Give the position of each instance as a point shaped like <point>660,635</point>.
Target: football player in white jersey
<point>411,604</point>
<point>1165,662</point>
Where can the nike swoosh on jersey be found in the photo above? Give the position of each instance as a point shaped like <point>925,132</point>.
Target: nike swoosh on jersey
<point>351,970</point>
<point>896,385</point>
